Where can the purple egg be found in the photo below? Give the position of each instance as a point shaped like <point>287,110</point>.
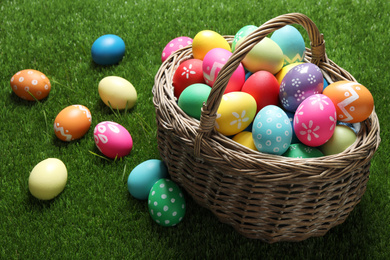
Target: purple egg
<point>298,84</point>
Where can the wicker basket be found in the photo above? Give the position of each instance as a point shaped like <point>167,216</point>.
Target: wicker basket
<point>263,196</point>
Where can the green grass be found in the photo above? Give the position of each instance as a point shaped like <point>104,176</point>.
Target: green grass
<point>95,216</point>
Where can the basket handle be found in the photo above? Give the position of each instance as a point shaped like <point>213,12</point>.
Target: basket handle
<point>210,107</point>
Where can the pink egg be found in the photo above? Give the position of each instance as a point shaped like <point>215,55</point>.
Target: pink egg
<point>315,120</point>
<point>213,61</point>
<point>112,139</point>
<point>174,45</point>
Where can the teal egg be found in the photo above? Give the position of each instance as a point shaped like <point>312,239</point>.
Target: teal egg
<point>291,42</point>
<point>192,98</point>
<point>143,176</point>
<point>242,33</point>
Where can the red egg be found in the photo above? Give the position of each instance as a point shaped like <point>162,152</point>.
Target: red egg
<point>29,83</point>
<point>354,102</point>
<point>189,72</point>
<point>72,122</point>
<point>264,87</point>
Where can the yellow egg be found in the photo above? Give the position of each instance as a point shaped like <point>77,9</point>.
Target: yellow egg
<point>235,113</point>
<point>246,139</point>
<point>206,40</point>
<point>48,179</point>
<point>117,92</point>
<point>284,71</point>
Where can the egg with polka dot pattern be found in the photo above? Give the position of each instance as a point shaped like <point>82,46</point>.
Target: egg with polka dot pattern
<point>272,131</point>
<point>30,84</point>
<point>166,203</point>
<point>299,83</point>
<point>174,45</point>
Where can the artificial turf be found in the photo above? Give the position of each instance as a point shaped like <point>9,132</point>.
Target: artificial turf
<point>95,217</point>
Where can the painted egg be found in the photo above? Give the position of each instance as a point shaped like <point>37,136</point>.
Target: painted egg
<point>48,179</point>
<point>342,138</point>
<point>213,62</point>
<point>245,138</point>
<point>354,102</point>
<point>302,151</point>
<point>294,138</point>
<point>72,123</point>
<point>315,120</point>
<point>299,83</point>
<point>206,40</point>
<point>143,176</point>
<point>112,139</point>
<point>192,98</point>
<point>108,49</point>
<point>174,45</point>
<point>242,33</point>
<point>117,92</point>
<point>166,203</point>
<point>291,42</point>
<point>280,75</point>
<point>272,130</point>
<point>265,55</point>
<point>264,87</point>
<point>235,113</point>
<point>189,72</point>
<point>30,82</point>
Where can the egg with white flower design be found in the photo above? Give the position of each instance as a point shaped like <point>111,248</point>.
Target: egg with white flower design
<point>272,131</point>
<point>315,120</point>
<point>174,45</point>
<point>299,83</point>
<point>235,113</point>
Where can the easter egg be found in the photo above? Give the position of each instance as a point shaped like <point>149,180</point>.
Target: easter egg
<point>315,120</point>
<point>189,72</point>
<point>206,40</point>
<point>213,62</point>
<point>264,87</point>
<point>245,138</point>
<point>280,75</point>
<point>192,98</point>
<point>72,123</point>
<point>112,139</point>
<point>291,42</point>
<point>299,83</point>
<point>300,150</point>
<point>108,49</point>
<point>174,45</point>
<point>354,102</point>
<point>265,55</point>
<point>166,203</point>
<point>48,179</point>
<point>272,130</point>
<point>242,33</point>
<point>143,176</point>
<point>236,111</point>
<point>117,92</point>
<point>342,138</point>
<point>30,84</point>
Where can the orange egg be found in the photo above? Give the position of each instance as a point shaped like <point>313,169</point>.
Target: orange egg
<point>29,83</point>
<point>72,122</point>
<point>354,102</point>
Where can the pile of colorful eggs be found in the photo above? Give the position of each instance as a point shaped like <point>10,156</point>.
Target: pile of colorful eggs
<point>274,102</point>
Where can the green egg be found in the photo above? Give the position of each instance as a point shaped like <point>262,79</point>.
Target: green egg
<point>242,33</point>
<point>192,98</point>
<point>166,203</point>
<point>300,150</point>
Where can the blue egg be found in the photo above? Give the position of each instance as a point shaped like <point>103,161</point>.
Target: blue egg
<point>143,176</point>
<point>108,50</point>
<point>272,130</point>
<point>294,139</point>
<point>325,84</point>
<point>247,75</point>
<point>291,42</point>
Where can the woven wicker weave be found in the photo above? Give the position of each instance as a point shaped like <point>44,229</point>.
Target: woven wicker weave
<point>263,196</point>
